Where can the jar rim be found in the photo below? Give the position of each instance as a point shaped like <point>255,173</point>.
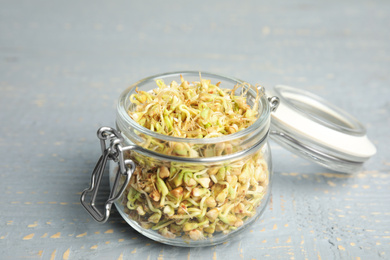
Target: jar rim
<point>124,119</point>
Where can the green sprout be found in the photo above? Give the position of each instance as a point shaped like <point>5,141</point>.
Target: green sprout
<point>192,200</point>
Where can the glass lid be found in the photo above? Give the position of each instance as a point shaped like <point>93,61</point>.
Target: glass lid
<point>313,128</point>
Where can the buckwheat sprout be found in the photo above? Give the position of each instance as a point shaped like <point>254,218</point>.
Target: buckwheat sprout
<point>192,200</point>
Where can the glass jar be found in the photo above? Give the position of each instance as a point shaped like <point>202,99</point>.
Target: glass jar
<point>202,191</point>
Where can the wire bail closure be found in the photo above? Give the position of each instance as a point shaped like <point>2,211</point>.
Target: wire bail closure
<point>110,142</point>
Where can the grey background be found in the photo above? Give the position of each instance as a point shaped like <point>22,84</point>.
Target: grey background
<point>63,64</point>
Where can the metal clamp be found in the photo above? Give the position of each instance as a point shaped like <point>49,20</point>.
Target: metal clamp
<point>274,103</point>
<point>113,151</point>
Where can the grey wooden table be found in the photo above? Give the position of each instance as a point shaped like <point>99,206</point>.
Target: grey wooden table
<point>63,65</point>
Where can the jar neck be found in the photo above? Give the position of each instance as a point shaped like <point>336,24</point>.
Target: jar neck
<point>151,155</point>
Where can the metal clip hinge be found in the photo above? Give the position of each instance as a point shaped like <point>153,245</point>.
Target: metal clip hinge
<point>114,151</point>
<point>274,103</point>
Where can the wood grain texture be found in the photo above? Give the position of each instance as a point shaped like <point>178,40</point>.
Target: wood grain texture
<point>63,65</point>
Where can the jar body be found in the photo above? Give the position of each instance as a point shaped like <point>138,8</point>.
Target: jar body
<point>206,204</point>
<point>209,192</point>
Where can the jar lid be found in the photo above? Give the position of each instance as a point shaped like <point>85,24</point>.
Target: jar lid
<point>313,128</point>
